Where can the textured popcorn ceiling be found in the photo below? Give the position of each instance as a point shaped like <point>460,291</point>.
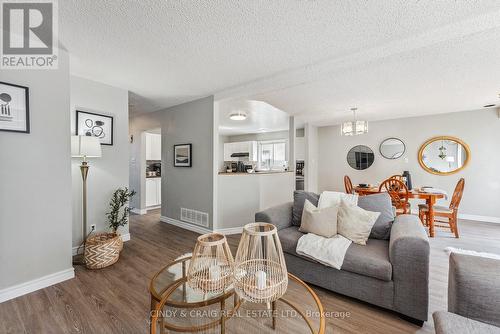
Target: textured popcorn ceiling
<point>311,58</point>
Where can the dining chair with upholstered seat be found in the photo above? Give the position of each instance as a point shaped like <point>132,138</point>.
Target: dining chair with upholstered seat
<point>449,214</point>
<point>349,189</point>
<point>399,194</point>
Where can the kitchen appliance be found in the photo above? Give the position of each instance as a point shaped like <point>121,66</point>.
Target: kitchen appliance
<point>299,167</point>
<point>234,167</point>
<point>240,155</point>
<point>240,168</point>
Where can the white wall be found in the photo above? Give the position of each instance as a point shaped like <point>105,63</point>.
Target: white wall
<point>311,160</point>
<point>109,172</point>
<point>479,129</point>
<point>35,191</point>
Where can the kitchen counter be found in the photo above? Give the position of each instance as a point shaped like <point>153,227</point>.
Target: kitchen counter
<point>256,173</point>
<point>153,177</point>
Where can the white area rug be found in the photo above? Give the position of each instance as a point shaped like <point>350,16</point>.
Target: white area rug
<point>449,250</point>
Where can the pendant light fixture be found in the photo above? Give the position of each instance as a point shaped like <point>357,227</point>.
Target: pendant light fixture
<point>354,127</point>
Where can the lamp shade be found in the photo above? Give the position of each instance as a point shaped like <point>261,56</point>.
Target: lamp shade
<point>85,147</point>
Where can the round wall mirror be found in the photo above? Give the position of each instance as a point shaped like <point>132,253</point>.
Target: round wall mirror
<point>360,157</point>
<point>444,155</point>
<point>392,148</point>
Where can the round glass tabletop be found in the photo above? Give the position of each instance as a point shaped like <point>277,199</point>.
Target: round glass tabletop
<point>176,308</point>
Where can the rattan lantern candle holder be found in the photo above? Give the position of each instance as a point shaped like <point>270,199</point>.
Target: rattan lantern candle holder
<point>260,274</point>
<point>212,265</point>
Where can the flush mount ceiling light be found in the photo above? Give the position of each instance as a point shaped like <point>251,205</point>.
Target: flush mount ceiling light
<point>238,116</point>
<point>354,127</point>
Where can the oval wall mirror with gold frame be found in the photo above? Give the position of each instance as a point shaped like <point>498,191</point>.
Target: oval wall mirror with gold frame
<point>444,155</point>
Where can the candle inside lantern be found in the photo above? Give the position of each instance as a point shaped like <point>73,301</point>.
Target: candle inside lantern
<point>261,279</point>
<point>214,272</point>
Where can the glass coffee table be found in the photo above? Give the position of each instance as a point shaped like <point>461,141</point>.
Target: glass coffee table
<point>176,308</point>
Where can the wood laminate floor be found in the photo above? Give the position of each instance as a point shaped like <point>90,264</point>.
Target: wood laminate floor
<point>116,299</point>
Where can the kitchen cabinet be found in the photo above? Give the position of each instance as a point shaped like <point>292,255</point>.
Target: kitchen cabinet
<point>249,147</point>
<point>153,146</point>
<point>153,191</point>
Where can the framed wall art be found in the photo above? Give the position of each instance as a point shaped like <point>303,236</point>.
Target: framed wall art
<point>14,108</point>
<point>95,125</point>
<point>182,155</point>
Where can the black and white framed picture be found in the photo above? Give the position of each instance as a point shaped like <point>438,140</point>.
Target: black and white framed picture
<point>14,108</point>
<point>182,155</point>
<point>95,125</point>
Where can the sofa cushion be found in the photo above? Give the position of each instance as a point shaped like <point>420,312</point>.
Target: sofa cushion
<point>299,197</point>
<point>379,203</point>
<point>289,237</point>
<point>355,223</point>
<point>322,222</point>
<point>369,260</point>
<point>450,323</point>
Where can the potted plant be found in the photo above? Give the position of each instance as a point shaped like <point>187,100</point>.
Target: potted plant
<point>103,249</point>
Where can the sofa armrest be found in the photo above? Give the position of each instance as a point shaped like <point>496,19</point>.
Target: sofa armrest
<point>474,288</point>
<point>280,215</point>
<point>409,256</point>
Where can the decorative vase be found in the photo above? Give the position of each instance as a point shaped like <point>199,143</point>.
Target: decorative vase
<point>211,267</point>
<point>407,176</point>
<point>260,274</point>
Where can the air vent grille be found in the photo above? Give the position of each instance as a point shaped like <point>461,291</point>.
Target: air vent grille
<point>194,217</point>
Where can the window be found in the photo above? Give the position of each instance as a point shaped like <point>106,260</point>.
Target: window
<point>272,154</point>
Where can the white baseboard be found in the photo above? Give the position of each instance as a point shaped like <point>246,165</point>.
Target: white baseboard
<point>153,207</point>
<point>36,284</point>
<point>125,237</point>
<point>184,225</point>
<point>486,219</point>
<point>139,211</point>
<point>230,230</point>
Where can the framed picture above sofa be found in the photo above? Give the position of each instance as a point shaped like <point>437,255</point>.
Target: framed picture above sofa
<point>14,108</point>
<point>95,125</point>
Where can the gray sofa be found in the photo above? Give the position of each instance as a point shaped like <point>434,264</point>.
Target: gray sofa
<point>391,271</point>
<point>473,297</point>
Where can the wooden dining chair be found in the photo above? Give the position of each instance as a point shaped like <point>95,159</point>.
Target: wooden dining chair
<point>349,189</point>
<point>446,215</point>
<point>399,194</point>
<point>397,177</point>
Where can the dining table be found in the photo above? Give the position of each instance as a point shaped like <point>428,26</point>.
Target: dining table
<point>429,197</point>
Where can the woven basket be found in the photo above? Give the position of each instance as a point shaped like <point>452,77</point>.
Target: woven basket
<point>102,250</point>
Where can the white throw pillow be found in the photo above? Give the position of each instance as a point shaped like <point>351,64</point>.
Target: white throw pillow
<point>332,198</point>
<point>321,222</point>
<point>355,223</point>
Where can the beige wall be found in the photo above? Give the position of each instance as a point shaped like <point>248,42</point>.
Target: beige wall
<point>479,129</point>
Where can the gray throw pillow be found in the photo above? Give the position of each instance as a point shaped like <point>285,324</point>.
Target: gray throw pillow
<point>299,197</point>
<point>379,203</point>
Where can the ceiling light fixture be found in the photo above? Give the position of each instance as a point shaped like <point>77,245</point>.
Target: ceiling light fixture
<point>354,127</point>
<point>238,116</point>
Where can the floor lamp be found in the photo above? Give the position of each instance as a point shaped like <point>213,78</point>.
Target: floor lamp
<point>84,147</point>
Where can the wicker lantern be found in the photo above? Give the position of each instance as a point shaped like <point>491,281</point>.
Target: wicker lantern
<point>212,265</point>
<point>260,274</point>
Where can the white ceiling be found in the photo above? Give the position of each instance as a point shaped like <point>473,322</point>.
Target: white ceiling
<point>314,59</point>
<point>261,117</point>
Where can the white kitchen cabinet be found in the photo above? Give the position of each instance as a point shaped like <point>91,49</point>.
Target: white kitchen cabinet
<point>153,146</point>
<point>249,147</point>
<point>153,191</point>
